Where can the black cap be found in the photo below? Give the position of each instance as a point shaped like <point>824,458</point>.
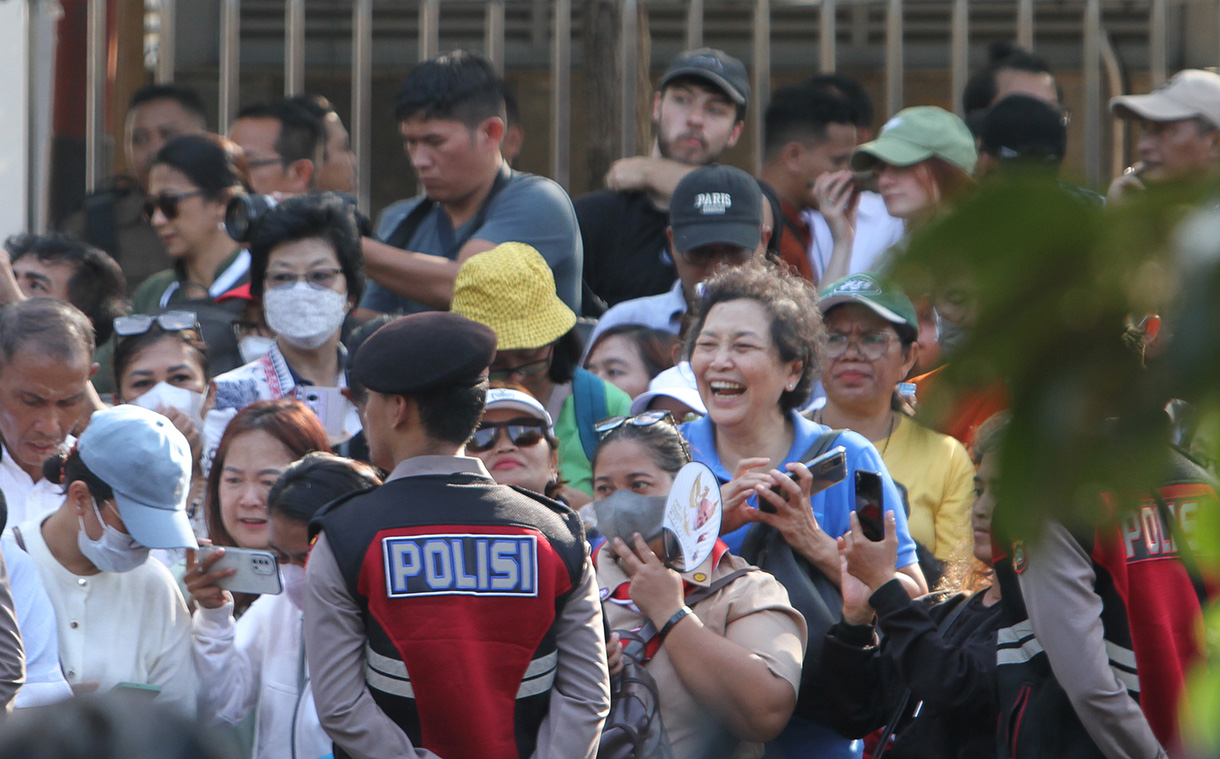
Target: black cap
<point>426,351</point>
<point>1024,128</point>
<point>716,204</point>
<point>716,66</point>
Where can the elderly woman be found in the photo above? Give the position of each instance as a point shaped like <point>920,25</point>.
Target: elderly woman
<point>728,667</point>
<point>754,345</point>
<point>871,346</point>
<point>307,268</point>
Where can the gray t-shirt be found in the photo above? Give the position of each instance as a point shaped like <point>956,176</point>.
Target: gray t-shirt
<point>529,209</point>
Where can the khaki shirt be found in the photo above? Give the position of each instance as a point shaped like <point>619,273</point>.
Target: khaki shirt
<point>752,611</point>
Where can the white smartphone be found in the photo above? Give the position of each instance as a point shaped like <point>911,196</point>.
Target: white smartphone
<point>257,571</point>
<point>328,404</point>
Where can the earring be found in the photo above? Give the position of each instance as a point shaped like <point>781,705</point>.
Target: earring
<point>791,385</point>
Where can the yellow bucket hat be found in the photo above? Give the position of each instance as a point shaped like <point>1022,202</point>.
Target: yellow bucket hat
<point>511,289</point>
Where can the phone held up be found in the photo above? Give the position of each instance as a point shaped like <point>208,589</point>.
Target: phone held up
<point>870,505</point>
<point>828,469</point>
<point>258,571</point>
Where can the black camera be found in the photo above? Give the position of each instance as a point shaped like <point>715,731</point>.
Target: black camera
<point>244,213</point>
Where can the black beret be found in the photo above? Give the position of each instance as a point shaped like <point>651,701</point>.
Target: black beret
<point>426,351</point>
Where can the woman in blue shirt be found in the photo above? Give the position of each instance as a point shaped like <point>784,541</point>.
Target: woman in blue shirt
<point>754,346</point>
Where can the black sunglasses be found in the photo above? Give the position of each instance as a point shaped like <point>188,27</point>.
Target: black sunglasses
<point>167,202</point>
<point>170,321</point>
<point>521,433</point>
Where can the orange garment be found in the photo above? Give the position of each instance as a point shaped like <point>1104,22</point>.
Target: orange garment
<point>794,245</point>
<point>970,409</point>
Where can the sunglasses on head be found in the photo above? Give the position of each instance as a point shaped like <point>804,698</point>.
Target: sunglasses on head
<point>522,433</point>
<point>646,419</point>
<point>170,321</point>
<point>167,202</point>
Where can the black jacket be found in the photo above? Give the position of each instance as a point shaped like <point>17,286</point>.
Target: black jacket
<point>952,710</point>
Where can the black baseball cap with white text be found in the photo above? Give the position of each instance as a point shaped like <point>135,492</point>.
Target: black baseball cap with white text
<point>716,204</point>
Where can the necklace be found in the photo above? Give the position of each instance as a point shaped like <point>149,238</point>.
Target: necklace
<point>889,434</point>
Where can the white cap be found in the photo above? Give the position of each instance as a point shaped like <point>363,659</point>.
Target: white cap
<point>1189,94</point>
<point>505,397</point>
<point>677,382</point>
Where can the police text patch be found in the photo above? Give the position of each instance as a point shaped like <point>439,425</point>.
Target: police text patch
<point>460,564</point>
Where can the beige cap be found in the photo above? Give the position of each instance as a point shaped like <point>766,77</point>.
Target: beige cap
<point>1189,94</point>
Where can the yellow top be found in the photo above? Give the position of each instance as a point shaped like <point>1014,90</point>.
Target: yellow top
<point>939,479</point>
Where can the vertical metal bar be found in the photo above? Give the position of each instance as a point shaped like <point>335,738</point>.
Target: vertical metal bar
<point>493,28</point>
<point>561,91</point>
<point>1092,91</point>
<point>95,97</point>
<point>362,98</point>
<point>167,41</point>
<point>294,47</point>
<point>1114,78</point>
<point>960,53</point>
<point>694,25</point>
<point>230,60</point>
<point>630,49</point>
<point>762,74</point>
<point>1157,43</point>
<point>40,80</point>
<point>828,40</point>
<point>429,29</point>
<point>1025,24</point>
<point>893,58</point>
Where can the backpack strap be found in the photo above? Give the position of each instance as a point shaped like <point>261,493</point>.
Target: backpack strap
<point>406,229</point>
<point>589,403</point>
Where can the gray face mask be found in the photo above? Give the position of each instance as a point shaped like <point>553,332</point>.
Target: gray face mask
<point>624,513</point>
<point>949,334</point>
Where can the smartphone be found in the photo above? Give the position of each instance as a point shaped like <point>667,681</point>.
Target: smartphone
<point>328,404</point>
<point>870,505</point>
<point>257,571</point>
<point>142,691</point>
<point>828,469</point>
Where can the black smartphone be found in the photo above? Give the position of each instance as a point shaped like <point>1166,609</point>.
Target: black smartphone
<point>870,505</point>
<point>828,469</point>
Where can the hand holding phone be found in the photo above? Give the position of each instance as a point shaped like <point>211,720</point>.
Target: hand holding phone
<point>827,470</point>
<point>256,571</point>
<point>870,504</point>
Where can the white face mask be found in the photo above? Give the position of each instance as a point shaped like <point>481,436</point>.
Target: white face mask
<point>115,551</point>
<point>304,315</point>
<point>254,347</point>
<point>166,395</point>
<point>294,583</point>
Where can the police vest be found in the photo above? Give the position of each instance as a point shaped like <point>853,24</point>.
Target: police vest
<point>460,582</point>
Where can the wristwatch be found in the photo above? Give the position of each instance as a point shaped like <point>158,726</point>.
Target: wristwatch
<point>678,616</point>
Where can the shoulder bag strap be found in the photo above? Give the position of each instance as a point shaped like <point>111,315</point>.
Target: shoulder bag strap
<point>406,229</point>
<point>943,627</point>
<point>634,643</point>
<point>589,403</point>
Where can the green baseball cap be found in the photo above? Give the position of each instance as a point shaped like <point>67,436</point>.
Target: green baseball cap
<point>889,303</point>
<point>917,134</point>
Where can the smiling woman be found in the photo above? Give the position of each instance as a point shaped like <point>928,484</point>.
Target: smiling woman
<point>755,344</point>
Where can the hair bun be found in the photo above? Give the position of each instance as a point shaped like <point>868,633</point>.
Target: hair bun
<point>53,468</point>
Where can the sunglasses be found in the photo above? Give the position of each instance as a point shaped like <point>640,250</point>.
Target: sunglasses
<point>167,202</point>
<point>646,419</point>
<point>521,433</point>
<point>170,321</point>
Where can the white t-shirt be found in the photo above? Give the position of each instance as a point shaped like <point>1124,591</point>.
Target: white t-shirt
<point>117,627</point>
<point>876,231</point>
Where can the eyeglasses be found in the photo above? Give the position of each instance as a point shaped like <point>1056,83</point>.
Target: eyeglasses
<point>521,433</point>
<point>167,202</point>
<point>708,255</point>
<point>322,279</point>
<point>871,345</point>
<point>528,369</point>
<point>646,419</point>
<point>170,321</point>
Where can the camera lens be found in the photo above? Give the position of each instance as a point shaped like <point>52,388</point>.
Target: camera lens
<point>243,214</point>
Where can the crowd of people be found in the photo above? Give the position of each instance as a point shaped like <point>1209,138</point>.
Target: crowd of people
<point>315,486</point>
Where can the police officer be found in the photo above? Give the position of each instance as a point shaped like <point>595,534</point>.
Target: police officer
<point>445,614</point>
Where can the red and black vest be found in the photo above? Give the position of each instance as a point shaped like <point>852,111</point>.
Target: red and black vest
<point>460,582</point>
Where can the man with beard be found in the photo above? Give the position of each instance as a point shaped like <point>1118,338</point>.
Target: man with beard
<point>697,114</point>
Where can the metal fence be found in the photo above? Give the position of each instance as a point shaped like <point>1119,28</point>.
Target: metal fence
<point>1098,57</point>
